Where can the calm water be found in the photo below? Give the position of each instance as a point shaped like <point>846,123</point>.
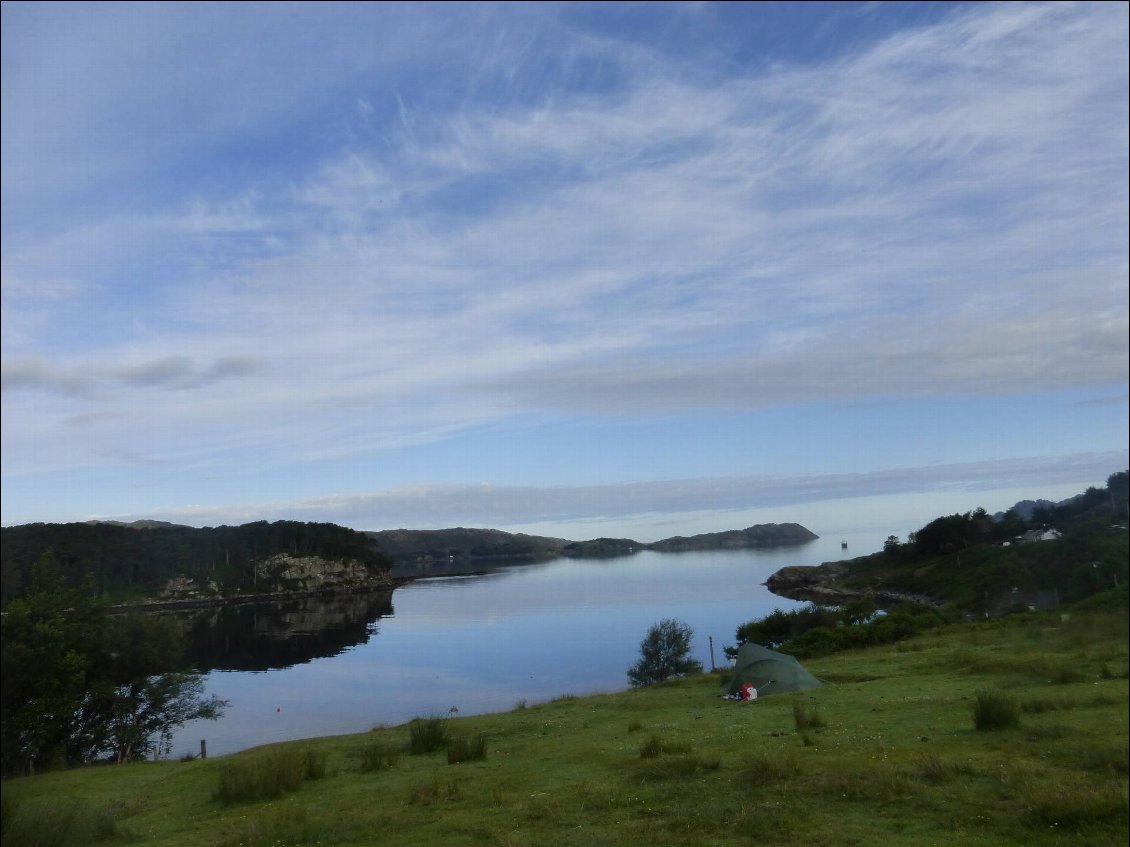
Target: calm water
<point>484,643</point>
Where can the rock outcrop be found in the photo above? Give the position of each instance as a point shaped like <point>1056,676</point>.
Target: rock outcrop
<point>823,585</point>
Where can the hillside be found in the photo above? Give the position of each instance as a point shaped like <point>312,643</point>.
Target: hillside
<point>983,566</point>
<point>888,752</point>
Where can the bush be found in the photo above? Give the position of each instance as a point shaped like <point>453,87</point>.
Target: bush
<point>664,653</point>
<point>995,710</point>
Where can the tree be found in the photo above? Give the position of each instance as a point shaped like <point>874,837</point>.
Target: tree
<point>80,684</point>
<point>664,653</point>
<point>150,696</point>
<point>48,667</point>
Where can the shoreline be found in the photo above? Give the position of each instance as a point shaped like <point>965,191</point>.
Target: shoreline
<point>246,599</point>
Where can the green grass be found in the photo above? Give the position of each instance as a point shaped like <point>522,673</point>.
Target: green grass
<point>267,777</point>
<point>893,758</point>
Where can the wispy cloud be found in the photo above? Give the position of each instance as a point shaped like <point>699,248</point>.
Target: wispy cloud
<point>440,506</point>
<point>544,220</point>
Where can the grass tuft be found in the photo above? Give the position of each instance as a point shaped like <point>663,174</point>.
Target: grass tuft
<point>806,719</point>
<point>995,710</point>
<point>268,777</point>
<point>655,747</point>
<point>378,757</point>
<point>763,768</point>
<point>463,750</point>
<point>427,735</point>
<point>430,793</point>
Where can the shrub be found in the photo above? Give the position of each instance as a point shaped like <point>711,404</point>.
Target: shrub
<point>995,710</point>
<point>426,735</point>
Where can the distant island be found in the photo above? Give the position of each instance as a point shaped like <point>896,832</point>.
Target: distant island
<point>422,546</point>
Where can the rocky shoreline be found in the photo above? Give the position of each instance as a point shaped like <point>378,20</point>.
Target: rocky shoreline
<point>822,585</point>
<point>302,576</point>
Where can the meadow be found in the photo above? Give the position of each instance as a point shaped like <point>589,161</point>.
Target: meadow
<point>1005,732</point>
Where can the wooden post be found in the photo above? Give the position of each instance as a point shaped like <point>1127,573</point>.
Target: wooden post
<point>203,748</point>
<point>712,668</point>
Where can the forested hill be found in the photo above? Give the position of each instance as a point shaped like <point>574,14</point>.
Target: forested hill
<point>405,545</point>
<point>140,560</point>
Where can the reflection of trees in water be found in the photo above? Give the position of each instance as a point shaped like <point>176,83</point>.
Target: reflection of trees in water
<point>274,635</point>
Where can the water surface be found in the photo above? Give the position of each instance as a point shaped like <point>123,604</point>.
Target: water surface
<point>483,643</point>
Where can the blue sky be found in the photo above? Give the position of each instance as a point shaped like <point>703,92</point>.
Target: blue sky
<point>574,269</point>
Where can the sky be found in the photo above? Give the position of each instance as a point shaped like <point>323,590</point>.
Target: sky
<point>576,269</point>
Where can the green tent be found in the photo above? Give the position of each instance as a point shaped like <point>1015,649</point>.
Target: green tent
<point>769,672</point>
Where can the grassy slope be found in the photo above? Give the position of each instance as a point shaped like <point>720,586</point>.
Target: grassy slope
<point>897,761</point>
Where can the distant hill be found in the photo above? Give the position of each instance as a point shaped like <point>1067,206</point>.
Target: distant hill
<point>436,545</point>
<point>762,535</point>
<point>143,524</point>
<point>463,543</point>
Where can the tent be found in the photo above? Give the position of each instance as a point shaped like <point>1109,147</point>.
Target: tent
<point>769,671</point>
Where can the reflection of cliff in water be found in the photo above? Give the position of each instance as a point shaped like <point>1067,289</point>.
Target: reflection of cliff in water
<point>278,634</point>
